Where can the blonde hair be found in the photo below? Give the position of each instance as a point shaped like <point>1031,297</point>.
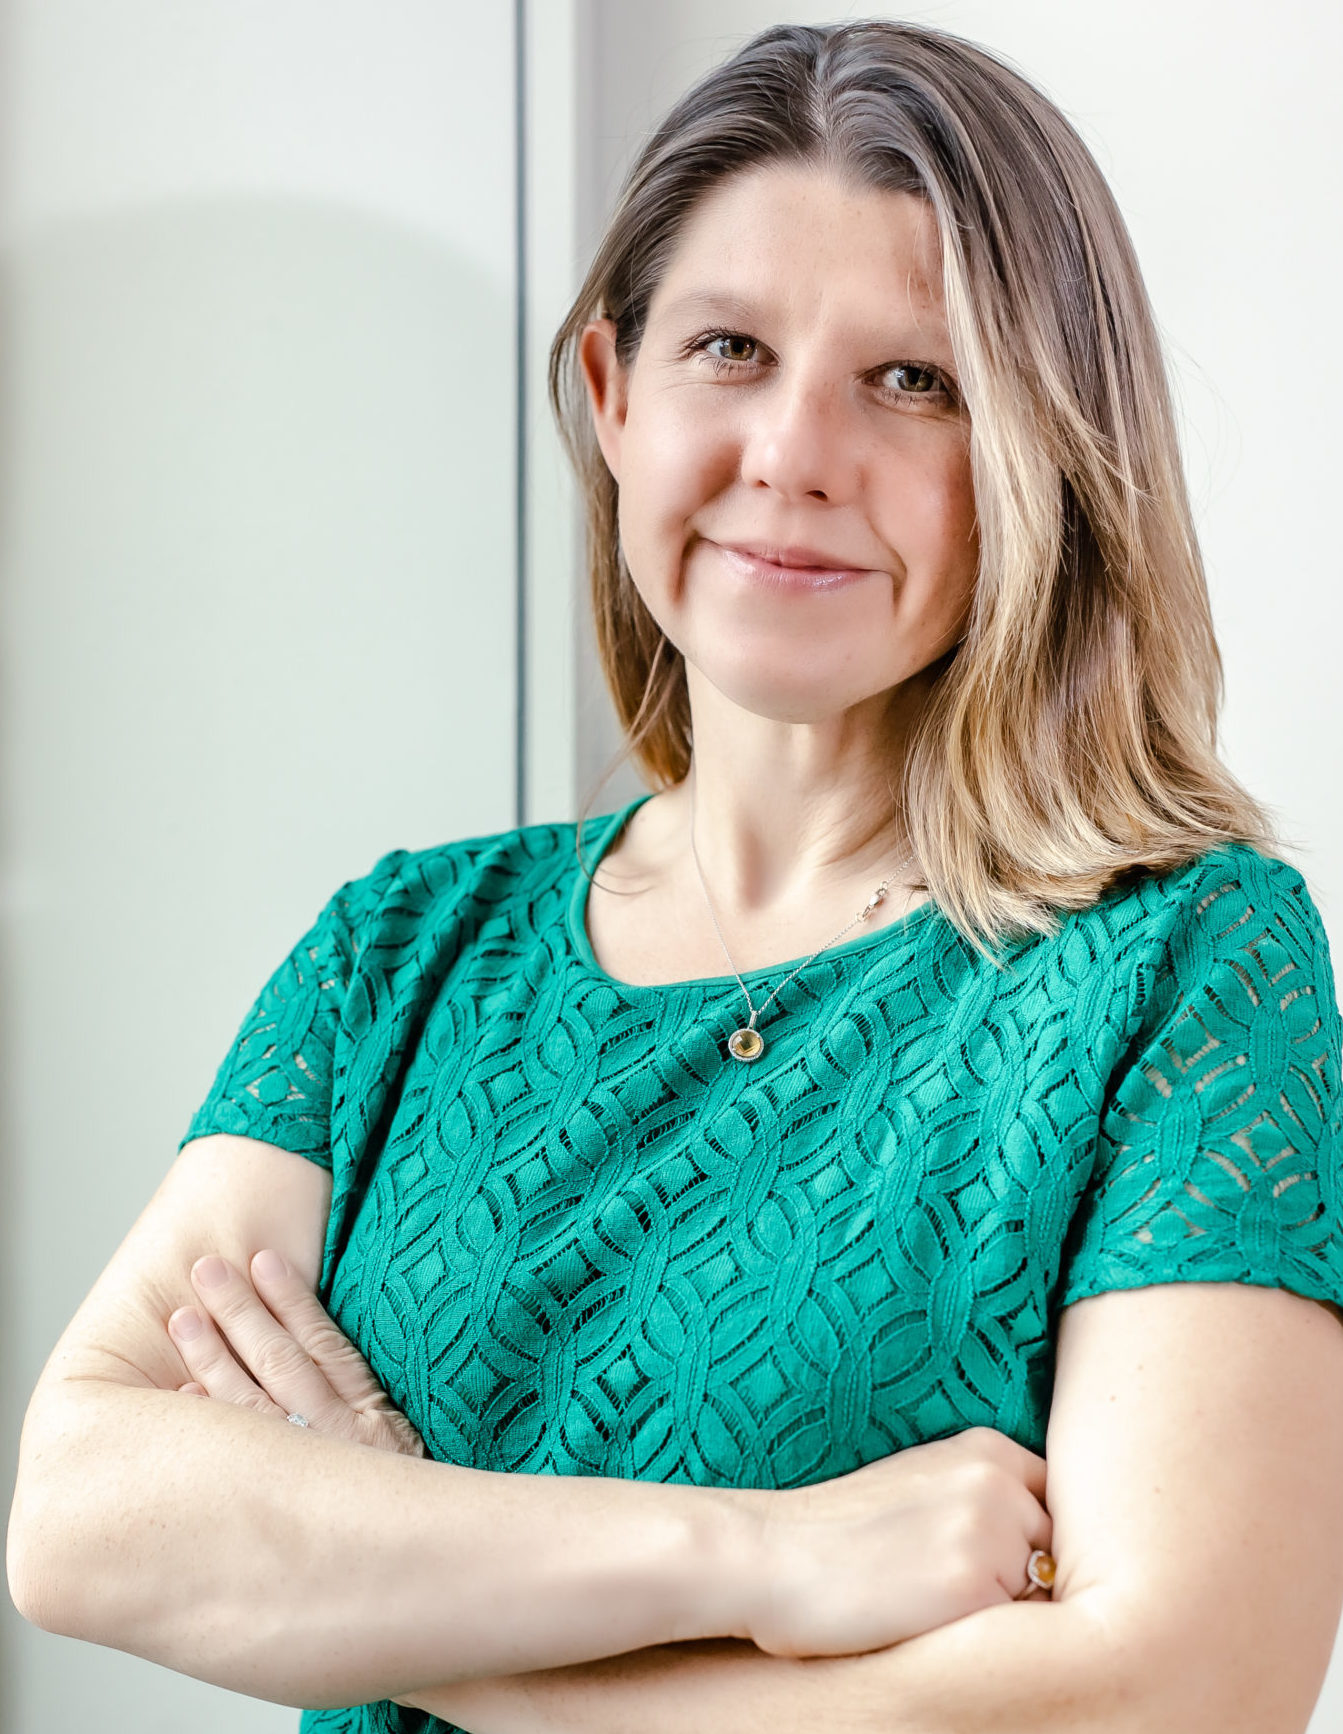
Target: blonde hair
<point>1069,738</point>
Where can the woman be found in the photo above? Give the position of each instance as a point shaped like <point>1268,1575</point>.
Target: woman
<point>708,1324</point>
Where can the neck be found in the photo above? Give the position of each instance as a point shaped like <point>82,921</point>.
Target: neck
<point>788,813</point>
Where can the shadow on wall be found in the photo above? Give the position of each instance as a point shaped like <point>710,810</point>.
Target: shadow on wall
<point>256,629</point>
<point>245,426</point>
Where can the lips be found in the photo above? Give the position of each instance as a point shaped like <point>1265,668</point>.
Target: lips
<point>793,568</point>
<point>793,557</point>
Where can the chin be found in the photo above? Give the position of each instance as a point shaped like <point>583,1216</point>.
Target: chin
<point>785,701</point>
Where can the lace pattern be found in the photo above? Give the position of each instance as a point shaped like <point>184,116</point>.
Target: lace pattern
<point>571,1237</point>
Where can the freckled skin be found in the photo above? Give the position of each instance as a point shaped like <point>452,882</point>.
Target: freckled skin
<point>819,293</point>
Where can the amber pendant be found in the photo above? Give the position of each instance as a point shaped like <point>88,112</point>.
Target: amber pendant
<point>746,1044</point>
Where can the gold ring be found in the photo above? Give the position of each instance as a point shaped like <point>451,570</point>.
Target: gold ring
<point>1041,1571</point>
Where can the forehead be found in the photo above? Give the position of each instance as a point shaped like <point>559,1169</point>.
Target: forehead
<point>802,237</point>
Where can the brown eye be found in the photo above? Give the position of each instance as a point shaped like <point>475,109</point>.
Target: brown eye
<point>913,378</point>
<point>736,348</point>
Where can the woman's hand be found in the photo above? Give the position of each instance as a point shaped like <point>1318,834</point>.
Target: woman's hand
<point>862,1561</point>
<point>291,1358</point>
<point>915,1540</point>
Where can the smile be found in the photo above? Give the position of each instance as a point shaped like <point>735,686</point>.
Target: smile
<point>777,576</point>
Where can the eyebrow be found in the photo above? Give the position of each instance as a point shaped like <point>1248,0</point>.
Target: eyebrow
<point>714,301</point>
<point>721,304</point>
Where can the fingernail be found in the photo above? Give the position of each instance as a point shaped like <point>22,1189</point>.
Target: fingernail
<point>210,1272</point>
<point>269,1265</point>
<point>185,1324</point>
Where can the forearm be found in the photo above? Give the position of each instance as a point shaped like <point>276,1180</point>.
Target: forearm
<point>307,1570</point>
<point>1018,1668</point>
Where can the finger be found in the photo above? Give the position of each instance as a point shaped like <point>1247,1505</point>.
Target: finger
<point>191,1389</point>
<point>1034,1474</point>
<point>1040,1586</point>
<point>1028,1466</point>
<point>301,1313</point>
<point>1039,1537</point>
<point>1036,1524</point>
<point>1031,1529</point>
<point>275,1361</point>
<point>206,1357</point>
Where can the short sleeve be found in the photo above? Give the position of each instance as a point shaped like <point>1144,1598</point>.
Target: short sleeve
<point>275,1082</point>
<point>1220,1144</point>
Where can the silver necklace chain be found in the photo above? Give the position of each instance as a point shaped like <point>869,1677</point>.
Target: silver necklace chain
<point>747,1043</point>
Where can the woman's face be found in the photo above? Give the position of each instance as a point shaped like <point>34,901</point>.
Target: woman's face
<point>795,503</point>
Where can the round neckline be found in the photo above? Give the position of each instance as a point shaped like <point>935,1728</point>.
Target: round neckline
<point>612,826</point>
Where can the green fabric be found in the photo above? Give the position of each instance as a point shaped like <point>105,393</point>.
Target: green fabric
<point>571,1236</point>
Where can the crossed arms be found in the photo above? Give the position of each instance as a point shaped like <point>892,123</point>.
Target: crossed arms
<point>1195,1459</point>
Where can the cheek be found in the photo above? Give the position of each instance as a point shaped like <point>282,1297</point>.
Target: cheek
<point>929,509</point>
<point>929,515</point>
<point>961,512</point>
<point>677,459</point>
<point>673,463</point>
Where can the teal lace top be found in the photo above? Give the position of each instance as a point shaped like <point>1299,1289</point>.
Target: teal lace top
<point>572,1236</point>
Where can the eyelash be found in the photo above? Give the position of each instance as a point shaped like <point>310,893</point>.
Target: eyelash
<point>944,393</point>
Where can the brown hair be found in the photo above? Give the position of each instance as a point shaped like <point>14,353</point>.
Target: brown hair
<point>1070,737</point>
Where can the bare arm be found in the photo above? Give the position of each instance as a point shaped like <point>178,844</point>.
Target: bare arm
<point>300,1568</point>
<point>1195,1466</point>
<point>1018,1669</point>
<point>305,1567</point>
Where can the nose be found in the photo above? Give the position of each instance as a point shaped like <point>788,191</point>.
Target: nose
<point>796,441</point>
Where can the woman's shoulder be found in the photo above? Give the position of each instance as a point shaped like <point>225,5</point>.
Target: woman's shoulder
<point>1236,924</point>
<point>516,870</point>
<point>501,858</point>
<point>1231,922</point>
<point>1229,886</point>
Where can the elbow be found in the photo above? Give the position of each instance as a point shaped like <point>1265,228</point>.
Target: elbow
<point>38,1582</point>
<point>52,1584</point>
<point>32,1592</point>
<point>59,1555</point>
<point>25,1588</point>
<point>1157,1669</point>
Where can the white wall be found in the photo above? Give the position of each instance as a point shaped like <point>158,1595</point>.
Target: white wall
<point>256,621</point>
